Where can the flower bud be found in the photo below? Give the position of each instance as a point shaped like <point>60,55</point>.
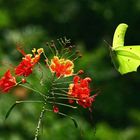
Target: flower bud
<point>23,80</point>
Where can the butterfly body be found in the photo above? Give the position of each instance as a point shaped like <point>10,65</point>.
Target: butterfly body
<point>125,58</point>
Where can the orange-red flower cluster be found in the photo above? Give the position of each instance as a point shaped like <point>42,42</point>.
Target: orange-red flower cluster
<point>62,67</point>
<point>25,67</point>
<point>80,91</point>
<point>7,82</point>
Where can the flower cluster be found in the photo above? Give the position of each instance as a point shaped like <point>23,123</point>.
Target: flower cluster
<point>61,67</point>
<point>25,67</point>
<point>7,82</point>
<point>80,90</point>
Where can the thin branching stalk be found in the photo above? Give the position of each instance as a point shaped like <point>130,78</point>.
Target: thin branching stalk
<point>63,98</point>
<point>19,102</point>
<point>63,114</point>
<point>39,121</point>
<point>57,93</point>
<point>61,83</point>
<point>48,45</point>
<point>32,89</point>
<point>57,88</point>
<point>62,104</point>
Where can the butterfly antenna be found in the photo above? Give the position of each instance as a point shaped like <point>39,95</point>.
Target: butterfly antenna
<point>107,44</point>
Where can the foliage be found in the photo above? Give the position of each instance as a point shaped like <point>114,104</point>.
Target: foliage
<point>88,23</point>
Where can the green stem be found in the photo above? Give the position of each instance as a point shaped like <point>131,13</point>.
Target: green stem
<point>62,83</point>
<point>55,93</point>
<point>39,121</point>
<point>74,107</point>
<point>63,98</point>
<point>60,113</point>
<point>33,90</point>
<point>55,88</point>
<point>18,102</point>
<point>37,101</point>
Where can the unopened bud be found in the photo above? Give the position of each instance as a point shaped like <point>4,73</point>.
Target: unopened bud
<point>80,72</point>
<point>23,80</point>
<point>55,109</point>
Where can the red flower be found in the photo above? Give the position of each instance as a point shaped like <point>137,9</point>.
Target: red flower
<point>7,82</point>
<point>61,67</point>
<point>87,102</point>
<point>25,67</point>
<point>80,90</point>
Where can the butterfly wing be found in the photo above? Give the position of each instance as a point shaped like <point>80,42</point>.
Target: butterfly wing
<point>126,58</point>
<point>118,39</point>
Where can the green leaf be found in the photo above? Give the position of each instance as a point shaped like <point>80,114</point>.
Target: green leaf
<point>9,111</point>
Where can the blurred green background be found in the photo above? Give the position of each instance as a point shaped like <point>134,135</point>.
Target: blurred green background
<point>116,113</point>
